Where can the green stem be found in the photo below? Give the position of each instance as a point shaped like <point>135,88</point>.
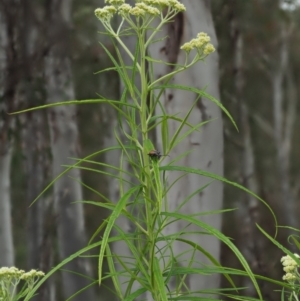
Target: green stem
<point>171,74</point>
<point>158,185</point>
<point>295,296</point>
<point>116,36</point>
<point>143,115</point>
<point>164,20</point>
<point>146,163</point>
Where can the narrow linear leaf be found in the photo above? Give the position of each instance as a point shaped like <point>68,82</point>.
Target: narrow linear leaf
<point>208,255</point>
<point>219,178</point>
<point>159,280</point>
<point>176,134</point>
<point>296,242</point>
<point>134,295</point>
<point>115,279</point>
<point>73,102</point>
<point>111,69</point>
<point>111,220</point>
<point>71,167</point>
<point>165,134</point>
<point>60,265</point>
<point>280,246</point>
<point>82,290</point>
<point>201,93</point>
<point>222,238</point>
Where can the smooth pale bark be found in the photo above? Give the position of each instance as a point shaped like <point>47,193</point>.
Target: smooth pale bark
<point>69,212</point>
<point>205,146</point>
<point>6,235</point>
<point>67,189</point>
<point>33,163</point>
<point>291,114</point>
<point>6,238</point>
<point>282,129</point>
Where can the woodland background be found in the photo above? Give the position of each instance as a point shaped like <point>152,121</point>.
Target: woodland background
<point>259,72</point>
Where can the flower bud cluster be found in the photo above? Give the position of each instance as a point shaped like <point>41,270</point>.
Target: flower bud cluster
<point>201,44</point>
<point>290,267</point>
<point>10,273</point>
<point>106,13</point>
<point>141,8</point>
<point>15,273</point>
<point>161,4</point>
<point>32,275</point>
<point>11,277</point>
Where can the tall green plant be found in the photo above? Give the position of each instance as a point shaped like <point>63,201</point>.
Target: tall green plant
<point>155,265</point>
<point>144,188</point>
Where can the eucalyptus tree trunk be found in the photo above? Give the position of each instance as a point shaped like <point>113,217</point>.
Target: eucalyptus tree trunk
<point>283,128</point>
<point>34,161</point>
<point>6,237</point>
<point>205,146</point>
<point>64,146</point>
<point>8,83</point>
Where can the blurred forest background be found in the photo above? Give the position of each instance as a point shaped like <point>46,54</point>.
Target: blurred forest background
<point>259,68</point>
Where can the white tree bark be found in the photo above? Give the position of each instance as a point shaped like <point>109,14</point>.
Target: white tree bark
<point>283,129</point>
<point>6,235</point>
<point>67,190</point>
<point>206,146</point>
<point>32,135</point>
<point>64,145</point>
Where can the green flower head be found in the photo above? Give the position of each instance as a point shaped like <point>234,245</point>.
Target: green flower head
<point>105,14</point>
<point>201,44</point>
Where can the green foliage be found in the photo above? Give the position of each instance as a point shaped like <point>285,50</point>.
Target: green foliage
<point>144,188</point>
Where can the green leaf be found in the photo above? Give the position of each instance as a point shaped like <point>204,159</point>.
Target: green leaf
<point>115,279</point>
<point>222,238</point>
<point>125,77</point>
<point>187,133</point>
<point>135,294</point>
<point>208,255</point>
<point>219,178</point>
<point>110,223</point>
<point>159,281</point>
<point>74,166</point>
<point>111,69</point>
<point>165,134</point>
<point>60,265</point>
<point>162,117</point>
<point>296,242</point>
<point>200,93</point>
<point>73,102</point>
<point>148,145</point>
<point>152,60</point>
<point>135,63</point>
<point>173,140</point>
<point>280,246</point>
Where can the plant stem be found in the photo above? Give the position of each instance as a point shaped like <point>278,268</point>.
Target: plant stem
<point>146,164</point>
